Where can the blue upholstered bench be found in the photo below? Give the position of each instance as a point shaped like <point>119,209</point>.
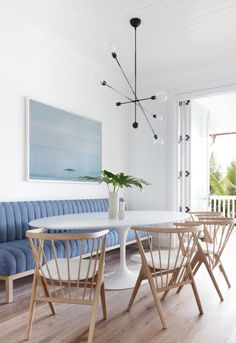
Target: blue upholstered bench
<point>16,259</point>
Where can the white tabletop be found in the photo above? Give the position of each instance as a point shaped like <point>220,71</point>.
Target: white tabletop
<point>101,220</point>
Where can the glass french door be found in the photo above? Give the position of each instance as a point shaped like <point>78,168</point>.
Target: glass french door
<point>193,159</point>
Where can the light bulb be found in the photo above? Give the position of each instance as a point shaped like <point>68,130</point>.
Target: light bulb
<point>158,141</point>
<point>106,45</point>
<point>97,80</point>
<point>161,96</point>
<point>109,48</point>
<point>93,79</point>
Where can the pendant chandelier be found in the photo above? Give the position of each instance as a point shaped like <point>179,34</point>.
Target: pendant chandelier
<point>160,96</point>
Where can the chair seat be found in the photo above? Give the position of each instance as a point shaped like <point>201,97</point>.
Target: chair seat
<point>87,269</point>
<point>163,260</point>
<point>207,248</point>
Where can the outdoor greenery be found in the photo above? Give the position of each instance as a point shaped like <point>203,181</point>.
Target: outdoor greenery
<point>117,181</point>
<point>222,184</point>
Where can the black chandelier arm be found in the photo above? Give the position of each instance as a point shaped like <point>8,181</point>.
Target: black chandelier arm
<point>133,101</point>
<point>148,121</point>
<point>104,83</point>
<point>115,57</point>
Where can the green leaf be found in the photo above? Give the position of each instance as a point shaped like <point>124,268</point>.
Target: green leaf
<point>119,180</point>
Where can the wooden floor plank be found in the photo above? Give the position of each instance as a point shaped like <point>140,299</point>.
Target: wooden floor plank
<point>141,324</point>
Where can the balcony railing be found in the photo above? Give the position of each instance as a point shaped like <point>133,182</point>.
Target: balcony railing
<point>224,203</point>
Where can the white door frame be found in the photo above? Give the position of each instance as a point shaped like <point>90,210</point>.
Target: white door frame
<point>173,109</point>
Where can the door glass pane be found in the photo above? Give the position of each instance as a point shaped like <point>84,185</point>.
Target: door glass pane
<point>199,160</point>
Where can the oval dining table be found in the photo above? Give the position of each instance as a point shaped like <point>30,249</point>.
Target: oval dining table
<point>123,277</point>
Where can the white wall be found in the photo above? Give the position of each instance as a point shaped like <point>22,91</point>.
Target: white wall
<point>147,160</point>
<point>31,66</point>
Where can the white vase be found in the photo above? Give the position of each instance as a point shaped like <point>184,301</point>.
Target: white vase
<point>113,204</point>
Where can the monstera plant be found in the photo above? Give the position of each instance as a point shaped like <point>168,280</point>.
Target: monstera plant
<point>114,183</point>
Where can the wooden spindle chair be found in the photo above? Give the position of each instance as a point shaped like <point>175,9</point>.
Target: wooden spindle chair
<point>211,246</point>
<point>164,264</point>
<point>72,280</point>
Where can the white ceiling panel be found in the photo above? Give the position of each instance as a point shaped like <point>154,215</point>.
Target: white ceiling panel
<point>174,35</point>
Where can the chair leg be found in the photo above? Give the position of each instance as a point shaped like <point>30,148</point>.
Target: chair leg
<point>32,308</point>
<point>202,258</point>
<point>195,265</point>
<point>196,269</point>
<point>9,289</point>
<point>224,274</point>
<point>136,288</point>
<point>47,293</point>
<point>195,291</point>
<point>93,317</point>
<point>148,275</point>
<point>155,296</point>
<point>103,301</point>
<point>213,279</point>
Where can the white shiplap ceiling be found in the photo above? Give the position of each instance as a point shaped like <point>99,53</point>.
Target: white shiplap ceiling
<point>175,35</point>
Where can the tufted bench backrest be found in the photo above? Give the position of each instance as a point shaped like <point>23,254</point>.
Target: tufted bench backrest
<point>15,216</point>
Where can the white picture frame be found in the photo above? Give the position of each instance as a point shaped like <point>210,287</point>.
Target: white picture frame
<point>61,146</point>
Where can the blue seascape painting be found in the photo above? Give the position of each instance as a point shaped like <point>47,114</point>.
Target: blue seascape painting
<point>62,146</point>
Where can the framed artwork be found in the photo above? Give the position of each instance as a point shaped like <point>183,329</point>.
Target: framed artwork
<point>61,146</point>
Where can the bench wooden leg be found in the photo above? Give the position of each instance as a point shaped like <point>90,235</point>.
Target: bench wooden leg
<point>9,289</point>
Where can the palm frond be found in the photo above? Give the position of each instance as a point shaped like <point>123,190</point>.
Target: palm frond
<point>119,180</point>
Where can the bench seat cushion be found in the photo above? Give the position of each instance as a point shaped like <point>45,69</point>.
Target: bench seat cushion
<point>16,256</point>
<point>131,235</point>
<point>15,251</point>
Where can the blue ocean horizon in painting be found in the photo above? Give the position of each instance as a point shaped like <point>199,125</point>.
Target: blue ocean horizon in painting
<point>62,146</point>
